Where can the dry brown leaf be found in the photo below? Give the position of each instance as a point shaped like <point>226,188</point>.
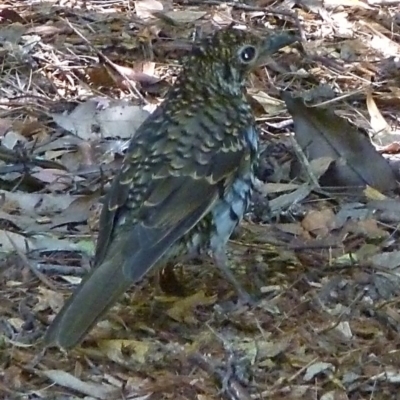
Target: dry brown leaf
<point>28,128</point>
<point>49,298</point>
<point>319,223</point>
<point>182,310</point>
<point>378,123</point>
<point>122,350</point>
<point>58,180</point>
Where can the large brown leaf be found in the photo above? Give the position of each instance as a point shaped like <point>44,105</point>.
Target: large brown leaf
<point>321,133</point>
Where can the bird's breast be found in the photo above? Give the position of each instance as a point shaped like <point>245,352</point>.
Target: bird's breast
<point>215,229</point>
<point>230,208</point>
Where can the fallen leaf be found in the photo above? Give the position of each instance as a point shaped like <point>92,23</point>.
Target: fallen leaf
<point>182,310</point>
<point>96,390</point>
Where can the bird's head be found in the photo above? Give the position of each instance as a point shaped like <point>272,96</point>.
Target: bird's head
<point>226,58</point>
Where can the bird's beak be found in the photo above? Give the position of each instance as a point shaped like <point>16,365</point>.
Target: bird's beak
<point>273,43</point>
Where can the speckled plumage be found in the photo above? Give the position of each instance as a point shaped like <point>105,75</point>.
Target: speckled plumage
<point>185,182</point>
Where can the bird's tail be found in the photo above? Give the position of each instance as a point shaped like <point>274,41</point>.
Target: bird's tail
<point>99,291</point>
<point>131,255</point>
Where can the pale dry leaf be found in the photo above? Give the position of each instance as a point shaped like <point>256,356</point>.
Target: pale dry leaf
<point>20,241</point>
<point>270,105</point>
<point>24,222</point>
<point>373,194</point>
<point>344,329</point>
<point>36,203</point>
<point>319,222</point>
<point>343,26</point>
<point>47,242</point>
<point>271,289</point>
<point>366,252</point>
<point>65,379</point>
<point>204,397</point>
<point>346,3</point>
<point>286,201</point>
<point>270,188</point>
<point>335,395</point>
<point>57,179</point>
<point>16,323</point>
<point>135,384</point>
<point>77,211</point>
<point>385,46</point>
<point>184,16</point>
<point>11,139</point>
<point>49,298</point>
<point>392,376</point>
<point>368,228</point>
<point>378,122</point>
<point>318,368</point>
<point>270,349</point>
<point>11,34</point>
<point>223,15</point>
<point>182,310</point>
<point>116,350</point>
<point>148,68</point>
<point>145,8</point>
<point>12,242</point>
<point>320,165</point>
<point>300,391</point>
<point>72,280</point>
<point>44,30</point>
<point>89,121</point>
<point>121,120</point>
<point>389,260</point>
<point>293,229</point>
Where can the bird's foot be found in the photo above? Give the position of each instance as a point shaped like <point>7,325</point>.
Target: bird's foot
<point>222,262</point>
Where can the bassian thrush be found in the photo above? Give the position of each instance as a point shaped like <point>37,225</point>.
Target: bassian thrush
<point>185,182</point>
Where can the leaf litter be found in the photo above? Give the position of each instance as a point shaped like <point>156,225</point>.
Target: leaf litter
<point>77,80</point>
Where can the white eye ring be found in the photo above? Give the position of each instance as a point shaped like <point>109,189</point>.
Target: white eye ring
<point>247,54</point>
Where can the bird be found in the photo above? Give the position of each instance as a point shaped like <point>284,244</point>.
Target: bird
<point>185,182</point>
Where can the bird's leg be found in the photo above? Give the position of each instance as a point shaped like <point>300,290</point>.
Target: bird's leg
<point>222,262</point>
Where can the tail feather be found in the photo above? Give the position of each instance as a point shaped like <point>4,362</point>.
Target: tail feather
<point>90,301</point>
<point>129,257</point>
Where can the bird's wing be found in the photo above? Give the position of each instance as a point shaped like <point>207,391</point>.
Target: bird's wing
<point>173,204</point>
<point>150,206</point>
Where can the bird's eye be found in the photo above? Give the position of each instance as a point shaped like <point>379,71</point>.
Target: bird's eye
<point>247,54</point>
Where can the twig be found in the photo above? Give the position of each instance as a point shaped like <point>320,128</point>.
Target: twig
<point>14,157</point>
<point>107,61</point>
<point>34,270</point>
<point>304,161</point>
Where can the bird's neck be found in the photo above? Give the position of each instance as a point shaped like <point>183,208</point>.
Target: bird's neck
<point>218,80</point>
